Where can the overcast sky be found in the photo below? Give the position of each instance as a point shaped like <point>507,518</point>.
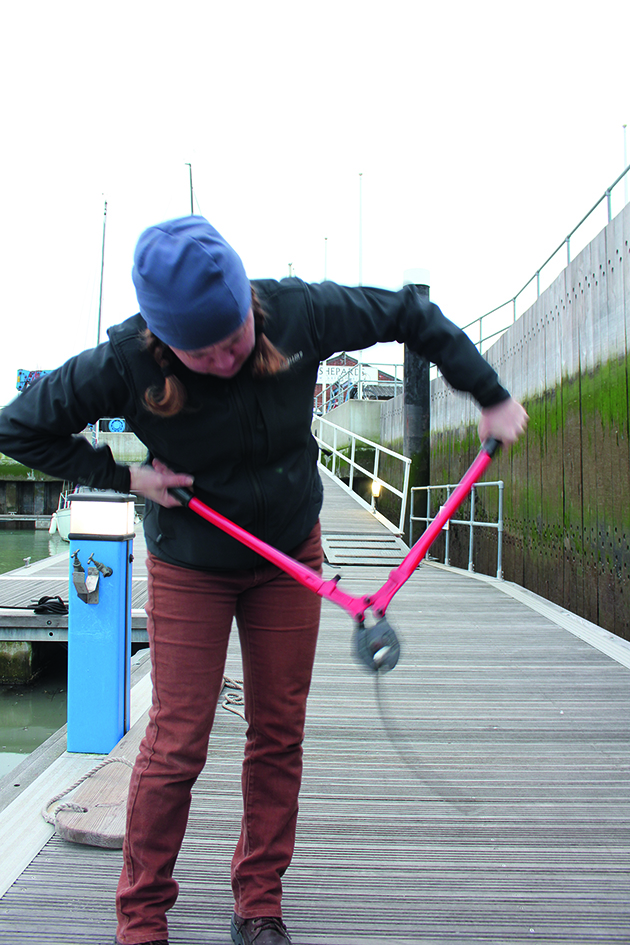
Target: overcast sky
<point>483,132</point>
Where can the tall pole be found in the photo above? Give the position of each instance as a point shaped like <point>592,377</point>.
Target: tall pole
<point>192,209</point>
<point>625,164</point>
<point>100,293</point>
<point>100,309</point>
<point>416,408</point>
<point>325,258</point>
<point>361,228</point>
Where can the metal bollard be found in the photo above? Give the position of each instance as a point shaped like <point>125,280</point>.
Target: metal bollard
<point>99,620</point>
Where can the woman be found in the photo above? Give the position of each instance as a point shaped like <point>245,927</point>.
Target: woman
<point>216,377</point>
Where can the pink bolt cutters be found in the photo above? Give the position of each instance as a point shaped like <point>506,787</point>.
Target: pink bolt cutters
<point>376,646</point>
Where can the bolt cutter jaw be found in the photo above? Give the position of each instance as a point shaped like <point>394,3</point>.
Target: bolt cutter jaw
<point>377,647</point>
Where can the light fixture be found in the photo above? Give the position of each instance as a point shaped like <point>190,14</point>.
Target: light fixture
<point>376,488</point>
<point>105,515</point>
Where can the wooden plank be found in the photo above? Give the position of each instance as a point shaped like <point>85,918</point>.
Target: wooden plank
<point>585,305</point>
<point>552,505</point>
<point>600,379</point>
<point>573,491</point>
<point>102,797</point>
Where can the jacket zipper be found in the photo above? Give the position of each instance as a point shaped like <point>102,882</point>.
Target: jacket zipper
<point>246,429</point>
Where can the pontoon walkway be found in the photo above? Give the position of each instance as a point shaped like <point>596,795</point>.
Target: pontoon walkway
<point>505,821</point>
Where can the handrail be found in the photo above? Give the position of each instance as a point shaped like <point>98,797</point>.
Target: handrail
<point>471,522</point>
<point>565,242</point>
<point>335,450</point>
<point>321,401</point>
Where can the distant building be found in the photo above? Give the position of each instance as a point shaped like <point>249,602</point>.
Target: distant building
<point>338,380</point>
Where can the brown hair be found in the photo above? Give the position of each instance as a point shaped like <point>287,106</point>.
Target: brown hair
<point>171,398</point>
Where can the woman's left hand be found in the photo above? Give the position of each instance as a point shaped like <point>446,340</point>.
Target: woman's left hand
<point>155,481</point>
<point>505,421</point>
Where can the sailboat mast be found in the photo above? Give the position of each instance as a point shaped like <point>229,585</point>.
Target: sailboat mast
<point>100,294</point>
<point>192,209</point>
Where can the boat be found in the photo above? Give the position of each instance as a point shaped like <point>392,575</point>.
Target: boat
<point>60,519</point>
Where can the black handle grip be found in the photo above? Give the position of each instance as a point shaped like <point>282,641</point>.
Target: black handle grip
<point>184,495</point>
<point>490,446</point>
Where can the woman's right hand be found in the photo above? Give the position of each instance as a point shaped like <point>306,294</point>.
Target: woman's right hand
<point>154,482</point>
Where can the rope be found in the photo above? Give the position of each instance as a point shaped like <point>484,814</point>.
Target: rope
<point>51,605</point>
<point>234,700</point>
<point>50,817</point>
<point>229,683</point>
<point>45,605</point>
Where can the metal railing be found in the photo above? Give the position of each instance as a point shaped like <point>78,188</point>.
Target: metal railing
<point>471,522</point>
<point>352,383</point>
<point>340,391</point>
<point>566,243</point>
<point>341,440</point>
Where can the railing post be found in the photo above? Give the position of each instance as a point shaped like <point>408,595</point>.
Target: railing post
<point>403,501</point>
<point>375,473</point>
<point>447,549</point>
<point>500,533</point>
<point>608,198</point>
<point>471,529</point>
<point>353,447</point>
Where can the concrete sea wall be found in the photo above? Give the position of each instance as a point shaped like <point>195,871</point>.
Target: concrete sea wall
<point>567,496</point>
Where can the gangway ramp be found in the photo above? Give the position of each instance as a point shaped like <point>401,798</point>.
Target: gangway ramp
<point>353,536</point>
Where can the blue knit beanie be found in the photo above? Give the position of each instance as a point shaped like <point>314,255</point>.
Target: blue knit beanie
<point>191,286</point>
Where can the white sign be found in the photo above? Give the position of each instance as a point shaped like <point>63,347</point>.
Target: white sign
<point>330,373</point>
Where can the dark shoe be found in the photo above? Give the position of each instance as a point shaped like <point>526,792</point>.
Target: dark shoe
<point>269,930</point>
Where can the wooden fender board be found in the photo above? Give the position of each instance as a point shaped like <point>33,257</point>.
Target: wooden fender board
<point>104,796</point>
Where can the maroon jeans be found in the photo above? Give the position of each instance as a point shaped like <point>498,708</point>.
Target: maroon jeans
<point>190,614</point>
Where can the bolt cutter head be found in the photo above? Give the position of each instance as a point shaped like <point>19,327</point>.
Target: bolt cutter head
<point>376,647</point>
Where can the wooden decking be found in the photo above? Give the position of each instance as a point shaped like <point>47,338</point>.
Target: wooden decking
<point>493,805</point>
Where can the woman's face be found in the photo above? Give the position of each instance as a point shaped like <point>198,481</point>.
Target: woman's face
<point>225,358</point>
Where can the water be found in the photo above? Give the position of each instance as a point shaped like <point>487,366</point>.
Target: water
<point>36,544</point>
<point>31,714</point>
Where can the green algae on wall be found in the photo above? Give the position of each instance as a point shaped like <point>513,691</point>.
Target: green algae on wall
<point>11,470</point>
<point>566,498</point>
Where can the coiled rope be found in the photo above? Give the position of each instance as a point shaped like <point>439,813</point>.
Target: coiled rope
<point>49,817</point>
<point>45,605</point>
<point>234,700</point>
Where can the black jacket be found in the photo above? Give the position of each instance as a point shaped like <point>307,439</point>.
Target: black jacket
<point>247,442</point>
